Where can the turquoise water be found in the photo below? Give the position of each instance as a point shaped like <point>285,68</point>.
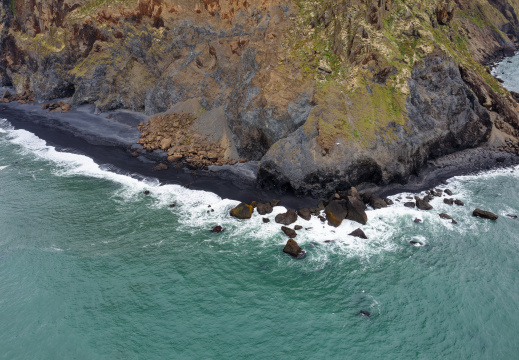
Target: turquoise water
<point>91,268</point>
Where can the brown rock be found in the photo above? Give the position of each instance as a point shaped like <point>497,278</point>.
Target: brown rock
<point>217,229</point>
<point>448,201</point>
<point>287,218</point>
<point>422,204</point>
<point>289,232</point>
<point>355,210</point>
<point>335,213</point>
<point>484,214</point>
<point>274,202</point>
<point>459,202</point>
<point>165,144</point>
<point>264,209</point>
<point>292,248</point>
<point>242,211</point>
<point>66,107</point>
<point>298,227</point>
<point>409,204</point>
<point>174,158</point>
<point>266,220</point>
<point>135,154</point>
<point>160,167</point>
<point>358,233</point>
<point>305,214</point>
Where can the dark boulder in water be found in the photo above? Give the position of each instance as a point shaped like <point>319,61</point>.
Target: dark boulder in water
<point>365,313</point>
<point>448,201</point>
<point>266,220</point>
<point>264,209</point>
<point>355,210</point>
<point>172,205</point>
<point>292,248</point>
<point>217,229</point>
<point>242,211</point>
<point>274,202</point>
<point>512,216</point>
<point>448,192</point>
<point>335,212</point>
<point>416,243</point>
<point>373,200</point>
<point>459,202</point>
<point>418,221</point>
<point>448,217</point>
<point>388,201</point>
<point>422,204</point>
<point>160,167</point>
<point>305,214</point>
<point>322,218</point>
<point>289,232</point>
<point>287,218</point>
<point>410,204</point>
<point>484,214</point>
<point>298,227</point>
<point>146,192</point>
<point>358,233</point>
<point>428,198</point>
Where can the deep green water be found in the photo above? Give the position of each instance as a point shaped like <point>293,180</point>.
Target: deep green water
<point>91,268</point>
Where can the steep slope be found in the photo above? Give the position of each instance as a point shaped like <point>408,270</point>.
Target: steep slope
<point>327,94</point>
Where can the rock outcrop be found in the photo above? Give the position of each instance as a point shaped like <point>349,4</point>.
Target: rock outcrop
<point>292,248</point>
<point>484,214</point>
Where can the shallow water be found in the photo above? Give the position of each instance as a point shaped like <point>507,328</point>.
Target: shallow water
<point>91,268</point>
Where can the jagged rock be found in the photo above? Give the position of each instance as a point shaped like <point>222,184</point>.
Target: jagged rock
<point>292,248</point>
<point>448,217</point>
<point>448,201</point>
<point>335,213</point>
<point>264,209</point>
<point>287,218</point>
<point>289,232</point>
<point>355,210</point>
<point>298,227</point>
<point>160,167</point>
<point>358,233</point>
<point>242,211</point>
<point>459,202</point>
<point>305,214</point>
<point>266,220</point>
<point>409,204</point>
<point>422,204</point>
<point>274,202</point>
<point>484,214</point>
<point>217,229</point>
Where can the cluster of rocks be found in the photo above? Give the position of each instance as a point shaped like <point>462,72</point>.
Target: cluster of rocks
<point>24,98</point>
<point>172,133</point>
<point>510,147</point>
<point>58,106</point>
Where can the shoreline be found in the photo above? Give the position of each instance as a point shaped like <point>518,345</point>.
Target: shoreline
<point>110,138</point>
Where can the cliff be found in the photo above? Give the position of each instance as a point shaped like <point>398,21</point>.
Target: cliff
<point>325,94</point>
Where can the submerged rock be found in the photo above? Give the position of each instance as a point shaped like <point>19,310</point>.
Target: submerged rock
<point>289,232</point>
<point>409,204</point>
<point>292,248</point>
<point>242,211</point>
<point>416,243</point>
<point>287,218</point>
<point>512,216</point>
<point>417,221</point>
<point>358,233</point>
<point>484,214</point>
<point>160,167</point>
<point>365,313</point>
<point>217,229</point>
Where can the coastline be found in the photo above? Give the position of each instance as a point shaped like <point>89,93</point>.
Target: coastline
<point>110,138</point>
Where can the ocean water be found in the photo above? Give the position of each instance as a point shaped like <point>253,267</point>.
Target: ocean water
<point>91,268</point>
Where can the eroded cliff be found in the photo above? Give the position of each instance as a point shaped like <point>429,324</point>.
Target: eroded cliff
<point>327,94</point>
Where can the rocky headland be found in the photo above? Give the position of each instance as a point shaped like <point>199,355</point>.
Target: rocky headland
<point>307,98</point>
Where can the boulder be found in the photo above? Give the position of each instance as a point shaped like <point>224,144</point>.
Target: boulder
<point>287,218</point>
<point>289,232</point>
<point>165,144</point>
<point>376,202</point>
<point>448,192</point>
<point>388,201</point>
<point>459,202</point>
<point>305,214</point>
<point>292,248</point>
<point>160,167</point>
<point>417,221</point>
<point>146,192</point>
<point>416,243</point>
<point>335,213</point>
<point>409,204</point>
<point>428,198</point>
<point>448,201</point>
<point>217,229</point>
<point>448,217</point>
<point>484,214</point>
<point>322,218</point>
<point>172,205</point>
<point>422,204</point>
<point>135,154</point>
<point>355,210</point>
<point>274,202</point>
<point>264,209</point>
<point>65,107</point>
<point>358,233</point>
<point>242,211</point>
<point>298,227</point>
<point>266,220</point>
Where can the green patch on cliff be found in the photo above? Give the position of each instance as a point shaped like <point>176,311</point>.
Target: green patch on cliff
<point>356,118</point>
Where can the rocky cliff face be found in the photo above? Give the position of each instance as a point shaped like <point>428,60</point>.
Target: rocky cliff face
<point>326,94</point>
